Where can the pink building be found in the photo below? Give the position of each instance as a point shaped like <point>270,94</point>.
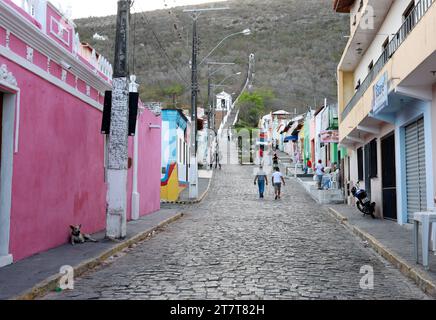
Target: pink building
<point>52,171</point>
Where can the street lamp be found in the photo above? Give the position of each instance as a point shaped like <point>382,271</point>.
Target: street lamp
<point>231,76</point>
<point>193,172</point>
<point>245,32</point>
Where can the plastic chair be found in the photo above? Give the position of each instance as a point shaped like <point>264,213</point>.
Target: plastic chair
<point>426,219</point>
<point>334,182</point>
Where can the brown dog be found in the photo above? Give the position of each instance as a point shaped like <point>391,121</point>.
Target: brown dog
<point>78,237</point>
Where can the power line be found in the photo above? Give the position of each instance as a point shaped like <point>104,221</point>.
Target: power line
<point>147,56</point>
<point>161,47</point>
<point>176,28</point>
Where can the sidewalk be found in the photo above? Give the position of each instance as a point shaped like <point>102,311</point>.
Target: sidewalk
<point>34,276</point>
<point>331,196</point>
<point>204,180</point>
<point>289,166</point>
<point>392,241</point>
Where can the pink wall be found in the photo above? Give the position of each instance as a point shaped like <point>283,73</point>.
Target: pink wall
<point>40,60</point>
<point>58,172</point>
<point>58,175</point>
<point>18,46</point>
<point>130,183</point>
<point>149,162</point>
<point>23,13</point>
<point>2,36</point>
<point>149,170</point>
<point>52,28</point>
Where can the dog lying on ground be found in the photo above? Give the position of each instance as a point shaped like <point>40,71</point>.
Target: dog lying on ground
<point>78,237</point>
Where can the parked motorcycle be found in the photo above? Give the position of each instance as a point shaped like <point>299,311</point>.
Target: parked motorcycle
<point>364,204</point>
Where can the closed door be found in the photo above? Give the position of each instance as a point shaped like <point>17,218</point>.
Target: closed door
<point>415,168</point>
<point>389,181</point>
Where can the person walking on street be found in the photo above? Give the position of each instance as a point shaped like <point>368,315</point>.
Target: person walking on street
<point>320,173</point>
<point>308,166</point>
<point>261,180</point>
<point>276,160</point>
<point>277,180</point>
<point>217,159</point>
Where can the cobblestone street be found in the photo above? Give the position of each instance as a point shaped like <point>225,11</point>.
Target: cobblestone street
<point>234,246</point>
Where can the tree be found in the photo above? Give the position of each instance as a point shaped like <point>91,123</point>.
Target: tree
<point>174,91</point>
<point>150,93</point>
<point>252,105</point>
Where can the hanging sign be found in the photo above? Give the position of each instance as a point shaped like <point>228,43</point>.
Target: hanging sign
<point>329,136</point>
<point>381,93</point>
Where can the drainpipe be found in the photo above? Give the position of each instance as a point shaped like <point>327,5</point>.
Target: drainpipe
<point>133,87</point>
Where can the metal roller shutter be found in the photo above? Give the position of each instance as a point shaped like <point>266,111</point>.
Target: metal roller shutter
<point>415,168</point>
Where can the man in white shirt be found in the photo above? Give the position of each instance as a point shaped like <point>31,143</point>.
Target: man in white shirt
<point>277,180</point>
<point>319,173</point>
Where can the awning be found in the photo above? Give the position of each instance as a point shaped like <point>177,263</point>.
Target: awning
<point>287,128</point>
<point>291,138</point>
<point>297,130</point>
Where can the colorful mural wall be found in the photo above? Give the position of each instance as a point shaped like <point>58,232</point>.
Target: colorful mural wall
<point>175,154</point>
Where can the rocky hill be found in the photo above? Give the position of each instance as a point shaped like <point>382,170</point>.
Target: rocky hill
<point>297,43</point>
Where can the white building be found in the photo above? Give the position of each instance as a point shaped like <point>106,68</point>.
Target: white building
<point>224,101</point>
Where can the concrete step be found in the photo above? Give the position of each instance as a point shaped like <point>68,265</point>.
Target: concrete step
<point>332,196</point>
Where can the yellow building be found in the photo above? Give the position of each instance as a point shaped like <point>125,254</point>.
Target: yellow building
<point>387,103</point>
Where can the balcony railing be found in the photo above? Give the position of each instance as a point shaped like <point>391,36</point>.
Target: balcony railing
<point>408,25</point>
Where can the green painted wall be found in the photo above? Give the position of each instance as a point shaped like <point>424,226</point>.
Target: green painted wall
<point>334,152</point>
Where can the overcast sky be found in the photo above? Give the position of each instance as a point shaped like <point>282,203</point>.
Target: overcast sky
<point>87,8</point>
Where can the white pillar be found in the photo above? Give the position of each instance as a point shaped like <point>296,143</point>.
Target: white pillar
<point>193,168</point>
<point>133,87</point>
<point>193,178</point>
<point>116,218</point>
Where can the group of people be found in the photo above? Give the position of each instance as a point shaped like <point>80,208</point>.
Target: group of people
<point>323,175</point>
<point>277,179</point>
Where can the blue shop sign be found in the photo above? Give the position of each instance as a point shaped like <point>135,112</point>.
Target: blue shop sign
<point>381,94</point>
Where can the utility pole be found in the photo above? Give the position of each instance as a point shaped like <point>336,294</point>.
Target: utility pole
<point>209,96</point>
<point>193,180</point>
<point>116,221</point>
<point>193,172</point>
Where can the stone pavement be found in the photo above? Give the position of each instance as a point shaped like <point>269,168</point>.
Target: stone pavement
<point>203,185</point>
<point>394,238</point>
<point>22,276</point>
<point>235,246</point>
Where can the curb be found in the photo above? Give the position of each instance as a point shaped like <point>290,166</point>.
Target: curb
<point>425,284</point>
<point>189,202</point>
<point>303,185</point>
<point>51,283</point>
